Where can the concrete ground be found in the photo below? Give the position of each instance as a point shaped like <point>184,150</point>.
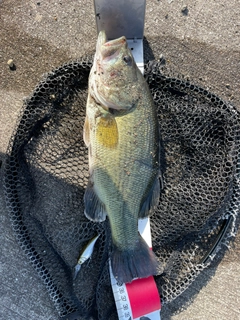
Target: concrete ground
<point>199,39</point>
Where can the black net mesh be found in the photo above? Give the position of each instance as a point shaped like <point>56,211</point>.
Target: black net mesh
<point>46,173</point>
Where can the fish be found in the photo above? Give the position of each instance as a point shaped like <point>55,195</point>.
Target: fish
<point>121,131</point>
<point>85,255</point>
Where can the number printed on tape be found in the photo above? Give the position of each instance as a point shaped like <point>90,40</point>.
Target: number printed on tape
<point>121,299</point>
<point>123,304</point>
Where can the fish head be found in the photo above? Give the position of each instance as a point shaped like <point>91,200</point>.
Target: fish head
<point>114,79</point>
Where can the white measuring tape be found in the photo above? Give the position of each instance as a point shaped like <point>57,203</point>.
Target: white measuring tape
<point>138,300</point>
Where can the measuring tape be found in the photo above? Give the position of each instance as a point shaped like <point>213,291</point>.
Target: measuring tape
<point>138,300</point>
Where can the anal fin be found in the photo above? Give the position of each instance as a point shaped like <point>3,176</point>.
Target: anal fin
<point>94,208</point>
<point>151,200</point>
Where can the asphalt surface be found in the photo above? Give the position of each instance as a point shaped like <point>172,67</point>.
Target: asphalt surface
<point>199,39</point>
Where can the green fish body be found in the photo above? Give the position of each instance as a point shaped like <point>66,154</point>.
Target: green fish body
<point>122,135</point>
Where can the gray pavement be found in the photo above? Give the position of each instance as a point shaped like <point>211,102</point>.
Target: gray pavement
<point>202,43</point>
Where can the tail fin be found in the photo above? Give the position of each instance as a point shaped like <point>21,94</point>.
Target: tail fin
<point>139,262</point>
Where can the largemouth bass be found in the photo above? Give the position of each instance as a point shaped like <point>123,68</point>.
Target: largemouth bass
<point>122,135</point>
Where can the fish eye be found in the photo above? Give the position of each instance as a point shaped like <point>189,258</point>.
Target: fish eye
<point>127,60</point>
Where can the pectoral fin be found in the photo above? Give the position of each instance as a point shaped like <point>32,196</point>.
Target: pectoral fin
<point>107,131</point>
<point>151,200</point>
<point>94,208</point>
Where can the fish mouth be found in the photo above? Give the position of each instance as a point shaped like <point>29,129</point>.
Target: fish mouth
<point>110,49</point>
<point>106,53</point>
<point>102,38</point>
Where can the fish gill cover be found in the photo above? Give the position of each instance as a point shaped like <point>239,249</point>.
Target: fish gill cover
<point>46,174</point>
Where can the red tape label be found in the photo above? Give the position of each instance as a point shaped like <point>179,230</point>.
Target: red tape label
<point>143,296</point>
